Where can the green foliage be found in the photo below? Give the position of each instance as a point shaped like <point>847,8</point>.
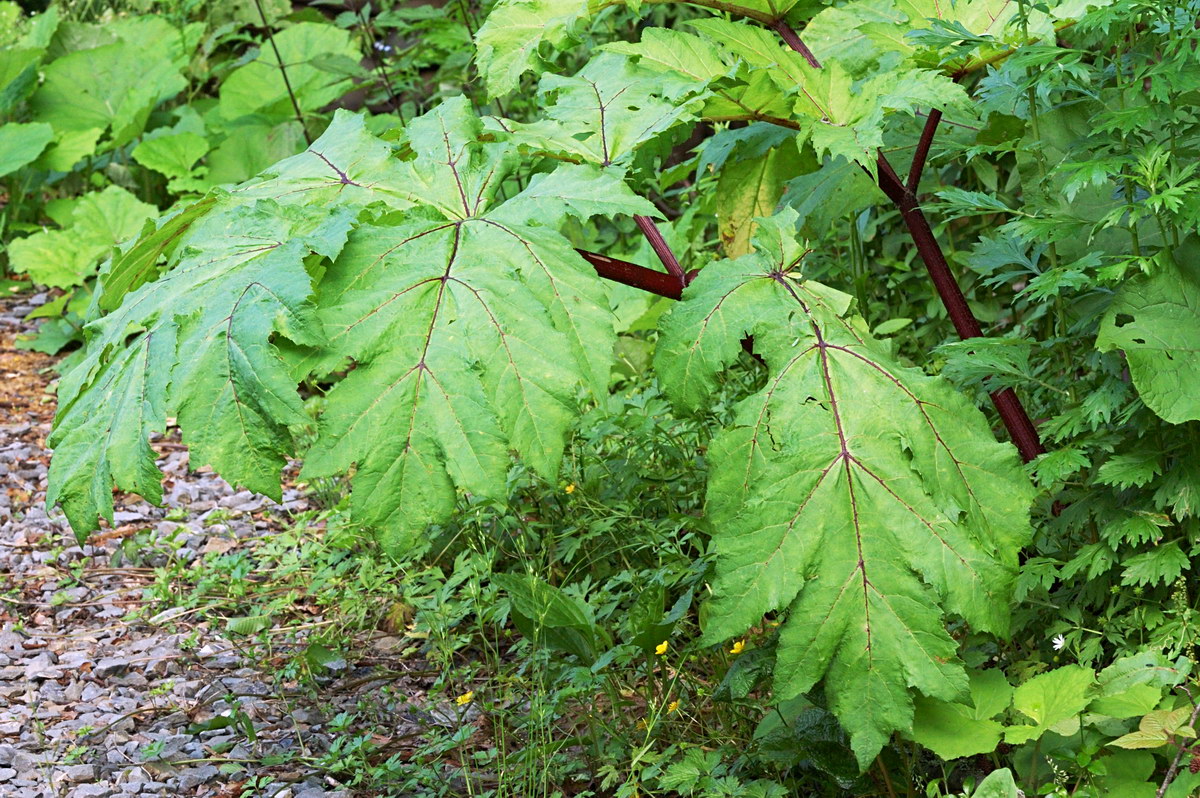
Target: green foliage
<point>239,270</point>
<point>259,87</point>
<point>861,525</point>
<point>121,104</point>
<point>1153,319</point>
<point>21,144</point>
<point>814,499</point>
<point>92,226</point>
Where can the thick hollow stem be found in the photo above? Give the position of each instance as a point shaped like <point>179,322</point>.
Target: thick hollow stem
<point>793,40</point>
<point>660,247</point>
<point>1020,428</point>
<point>631,274</point>
<point>922,153</point>
<point>904,195</point>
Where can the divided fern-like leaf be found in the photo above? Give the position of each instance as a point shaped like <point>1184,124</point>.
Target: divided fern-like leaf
<point>868,499</point>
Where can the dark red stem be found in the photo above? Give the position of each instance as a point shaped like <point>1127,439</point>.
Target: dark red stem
<point>661,248</point>
<point>793,40</point>
<point>631,274</point>
<point>922,153</point>
<point>1011,411</point>
<point>904,195</point>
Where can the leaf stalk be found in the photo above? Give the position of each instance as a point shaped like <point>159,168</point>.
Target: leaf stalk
<point>287,84</point>
<point>903,195</point>
<point>661,248</point>
<point>633,275</point>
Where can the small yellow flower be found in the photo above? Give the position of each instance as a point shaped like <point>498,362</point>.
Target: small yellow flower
<point>569,488</point>
<point>673,706</point>
<point>465,698</point>
<point>662,647</point>
<point>738,647</point>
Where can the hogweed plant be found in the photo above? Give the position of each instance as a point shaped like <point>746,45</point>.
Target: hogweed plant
<point>443,287</point>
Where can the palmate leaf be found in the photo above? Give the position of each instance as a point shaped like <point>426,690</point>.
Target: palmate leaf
<point>745,65</point>
<point>839,115</point>
<point>510,44</point>
<point>510,40</point>
<point>868,499</point>
<point>472,328</point>
<point>195,342</point>
<point>735,91</point>
<point>931,33</point>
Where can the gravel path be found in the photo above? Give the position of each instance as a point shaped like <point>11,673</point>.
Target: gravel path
<point>97,699</point>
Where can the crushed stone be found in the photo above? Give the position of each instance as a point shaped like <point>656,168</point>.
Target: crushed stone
<point>100,698</point>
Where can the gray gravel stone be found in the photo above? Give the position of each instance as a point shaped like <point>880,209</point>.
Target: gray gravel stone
<point>77,774</point>
<point>43,666</point>
<point>87,666</point>
<point>26,762</point>
<point>93,791</point>
<point>110,666</point>
<point>193,777</point>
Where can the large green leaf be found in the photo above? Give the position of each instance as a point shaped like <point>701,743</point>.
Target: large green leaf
<point>953,729</point>
<point>1155,320</point>
<point>18,75</point>
<point>1053,701</point>
<point>139,261</point>
<point>751,188</point>
<point>92,225</point>
<point>868,499</point>
<point>674,51</point>
<point>175,156</point>
<point>195,343</point>
<point>735,91</point>
<point>998,784</point>
<point>608,110</point>
<point>20,144</point>
<point>472,327</point>
<point>839,187</point>
<point>259,86</point>
<point>250,146</point>
<point>115,86</point>
<point>510,40</point>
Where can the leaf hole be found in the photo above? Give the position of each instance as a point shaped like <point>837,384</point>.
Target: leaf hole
<point>1122,319</point>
